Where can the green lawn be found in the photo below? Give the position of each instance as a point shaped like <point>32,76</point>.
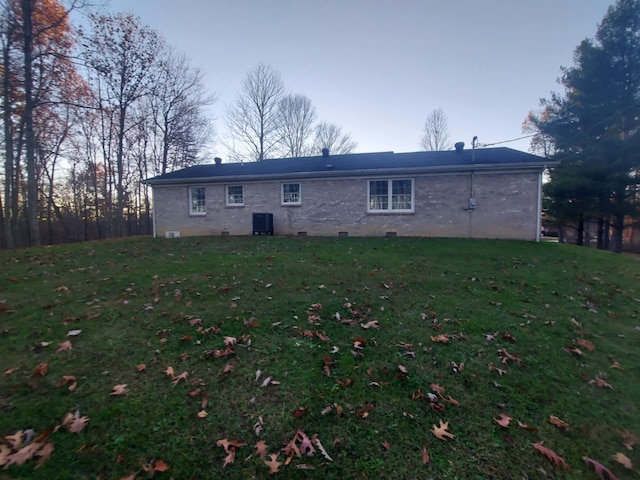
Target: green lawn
<point>262,341</point>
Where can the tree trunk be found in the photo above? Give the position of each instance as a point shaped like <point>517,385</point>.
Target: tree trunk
<point>32,174</point>
<point>8,148</point>
<point>618,230</point>
<point>580,232</point>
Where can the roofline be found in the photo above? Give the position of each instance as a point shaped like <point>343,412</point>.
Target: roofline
<point>533,167</point>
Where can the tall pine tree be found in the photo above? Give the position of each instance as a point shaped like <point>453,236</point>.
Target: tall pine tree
<point>595,127</point>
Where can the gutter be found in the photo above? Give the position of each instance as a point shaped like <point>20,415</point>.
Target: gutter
<point>437,170</point>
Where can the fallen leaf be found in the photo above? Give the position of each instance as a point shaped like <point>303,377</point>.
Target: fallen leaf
<point>503,420</point>
<point>170,372</point>
<point>623,460</point>
<point>527,427</point>
<point>299,412</point>
<point>10,371</point>
<point>599,382</point>
<point>73,333</point>
<point>386,445</point>
<point>40,370</point>
<point>440,339</point>
<point>120,389</point>
<point>370,324</point>
<point>552,456</point>
<point>403,369</point>
<point>64,346</point>
<point>75,423</point>
<point>266,382</point>
<point>451,401</point>
<point>586,344</point>
<point>44,453</point>
<point>437,388</point>
<point>261,448</point>
<point>183,376</point>
<point>553,420</point>
<point>628,439</point>
<point>316,440</point>
<point>425,456</point>
<point>15,440</point>
<point>202,414</point>
<point>600,469</point>
<point>160,466</point>
<point>441,431</point>
<point>273,463</point>
<point>141,367</point>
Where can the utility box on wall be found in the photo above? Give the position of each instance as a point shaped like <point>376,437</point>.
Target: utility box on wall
<point>262,224</point>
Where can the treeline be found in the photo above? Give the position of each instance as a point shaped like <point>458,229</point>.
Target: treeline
<point>593,128</point>
<point>87,114</point>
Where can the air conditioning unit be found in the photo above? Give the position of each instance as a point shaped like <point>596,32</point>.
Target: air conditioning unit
<point>262,223</point>
<point>172,234</point>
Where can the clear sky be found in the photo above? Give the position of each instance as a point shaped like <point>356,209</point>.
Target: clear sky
<point>378,67</point>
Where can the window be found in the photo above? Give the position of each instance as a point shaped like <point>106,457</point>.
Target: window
<point>291,194</point>
<point>235,195</point>
<point>391,195</point>
<point>197,204</point>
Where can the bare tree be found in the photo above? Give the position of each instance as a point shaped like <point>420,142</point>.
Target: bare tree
<point>253,119</point>
<point>436,131</point>
<point>122,52</point>
<point>331,137</point>
<point>297,116</point>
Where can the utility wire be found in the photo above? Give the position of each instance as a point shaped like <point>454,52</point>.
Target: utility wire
<point>507,141</point>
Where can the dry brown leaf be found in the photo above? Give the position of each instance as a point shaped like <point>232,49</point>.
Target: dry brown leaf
<point>437,388</point>
<point>170,372</point>
<point>440,339</point>
<point>628,439</point>
<point>600,469</point>
<point>120,389</point>
<point>160,466</point>
<point>273,463</point>
<point>586,344</point>
<point>370,324</point>
<point>74,422</point>
<point>261,448</point>
<point>527,427</point>
<point>441,431</point>
<point>599,382</point>
<point>141,367</point>
<point>552,456</point>
<point>15,440</point>
<point>40,370</point>
<point>451,401</point>
<point>64,346</point>
<point>553,420</point>
<point>8,372</point>
<point>623,460</point>
<point>425,456</point>
<point>183,376</point>
<point>503,420</point>
<point>44,453</point>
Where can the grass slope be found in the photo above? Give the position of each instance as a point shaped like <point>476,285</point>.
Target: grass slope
<point>363,391</point>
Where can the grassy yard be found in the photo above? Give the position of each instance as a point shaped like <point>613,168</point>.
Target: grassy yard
<point>330,358</point>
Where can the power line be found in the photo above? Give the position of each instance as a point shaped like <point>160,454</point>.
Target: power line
<point>507,141</point>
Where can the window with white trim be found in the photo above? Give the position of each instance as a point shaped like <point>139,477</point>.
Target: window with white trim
<point>394,195</point>
<point>197,201</point>
<point>235,195</point>
<point>291,194</point>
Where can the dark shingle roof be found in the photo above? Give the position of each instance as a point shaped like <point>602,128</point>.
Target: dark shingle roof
<point>357,164</point>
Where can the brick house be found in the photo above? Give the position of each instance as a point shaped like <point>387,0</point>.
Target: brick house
<point>472,193</point>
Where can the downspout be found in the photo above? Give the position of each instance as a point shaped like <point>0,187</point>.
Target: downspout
<point>153,212</point>
<point>472,200</point>
<point>539,207</point>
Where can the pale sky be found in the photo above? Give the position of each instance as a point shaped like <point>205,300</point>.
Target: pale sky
<point>378,67</point>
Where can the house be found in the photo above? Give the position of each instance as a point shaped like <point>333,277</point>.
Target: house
<point>472,193</point>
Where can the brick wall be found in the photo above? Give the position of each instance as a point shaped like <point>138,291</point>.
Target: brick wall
<point>506,207</point>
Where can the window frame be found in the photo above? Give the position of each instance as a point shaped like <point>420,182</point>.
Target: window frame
<point>389,202</point>
<point>282,194</point>
<point>197,212</point>
<point>228,201</point>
